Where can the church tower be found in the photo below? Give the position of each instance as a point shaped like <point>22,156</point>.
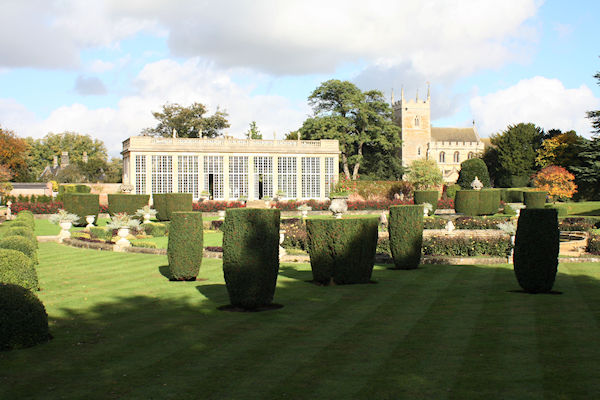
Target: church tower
<point>414,118</point>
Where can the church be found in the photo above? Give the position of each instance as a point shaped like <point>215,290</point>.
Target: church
<point>447,146</point>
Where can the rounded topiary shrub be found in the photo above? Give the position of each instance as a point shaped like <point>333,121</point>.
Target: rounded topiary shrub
<point>82,204</point>
<point>535,257</point>
<point>406,235</point>
<point>467,202</point>
<point>22,231</point>
<point>469,169</point>
<point>126,203</point>
<point>489,201</point>
<point>427,196</point>
<point>185,245</point>
<point>21,244</point>
<point>167,203</point>
<point>342,251</point>
<point>250,256</point>
<point>535,199</point>
<point>155,229</point>
<point>23,318</point>
<point>18,269</point>
<point>21,223</point>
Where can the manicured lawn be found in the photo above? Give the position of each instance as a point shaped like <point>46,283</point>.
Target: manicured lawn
<point>583,208</point>
<point>122,330</point>
<point>211,238</point>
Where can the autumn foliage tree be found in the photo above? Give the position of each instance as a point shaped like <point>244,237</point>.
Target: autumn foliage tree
<point>13,153</point>
<point>557,181</point>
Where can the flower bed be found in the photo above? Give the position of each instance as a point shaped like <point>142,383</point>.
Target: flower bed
<point>216,205</point>
<point>356,205</point>
<point>37,208</point>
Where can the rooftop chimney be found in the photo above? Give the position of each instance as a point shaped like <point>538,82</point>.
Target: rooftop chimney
<point>64,159</point>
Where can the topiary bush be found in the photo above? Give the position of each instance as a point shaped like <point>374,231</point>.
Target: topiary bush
<point>562,210</point>
<point>101,232</point>
<point>513,196</point>
<point>535,257</point>
<point>22,231</point>
<point>82,204</point>
<point>25,216</point>
<point>467,202</point>
<point>251,256</point>
<point>451,190</point>
<point>535,199</point>
<point>406,235</point>
<point>427,196</point>
<point>489,201</point>
<point>469,169</point>
<point>21,244</point>
<point>23,318</point>
<point>126,203</point>
<point>185,245</point>
<point>18,269</point>
<point>21,223</point>
<point>155,229</point>
<point>167,203</point>
<point>342,251</point>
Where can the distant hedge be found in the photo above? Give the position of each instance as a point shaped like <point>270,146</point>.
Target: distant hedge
<point>126,203</point>
<point>251,256</point>
<point>185,248</point>
<point>82,205</point>
<point>167,203</point>
<point>467,202</point>
<point>511,195</point>
<point>489,201</point>
<point>427,196</point>
<point>535,199</point>
<point>342,250</point>
<point>18,269</point>
<point>406,235</point>
<point>155,229</point>
<point>537,245</point>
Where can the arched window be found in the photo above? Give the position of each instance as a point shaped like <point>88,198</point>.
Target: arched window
<point>470,155</point>
<point>442,157</point>
<point>417,121</point>
<point>456,157</point>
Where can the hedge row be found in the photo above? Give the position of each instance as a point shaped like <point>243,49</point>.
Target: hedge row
<point>18,253</point>
<point>467,247</point>
<point>167,203</point>
<point>40,198</point>
<point>358,205</point>
<point>126,203</point>
<point>185,245</point>
<point>82,205</point>
<point>427,196</point>
<point>535,199</point>
<point>477,202</point>
<point>406,235</point>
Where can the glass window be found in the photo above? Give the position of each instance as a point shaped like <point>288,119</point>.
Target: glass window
<point>456,157</point>
<point>238,176</point>
<point>329,175</point>
<point>187,174</point>
<point>286,176</point>
<point>162,174</point>
<point>442,157</point>
<point>213,176</point>
<point>311,177</point>
<point>140,174</point>
<point>263,177</point>
<point>470,155</point>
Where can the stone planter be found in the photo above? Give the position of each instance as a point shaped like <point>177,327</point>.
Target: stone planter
<point>64,230</point>
<point>221,214</point>
<point>90,221</point>
<point>339,205</point>
<point>282,251</point>
<point>147,218</point>
<point>123,242</point>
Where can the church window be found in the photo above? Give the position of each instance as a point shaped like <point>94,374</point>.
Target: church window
<point>442,157</point>
<point>470,155</point>
<point>456,157</point>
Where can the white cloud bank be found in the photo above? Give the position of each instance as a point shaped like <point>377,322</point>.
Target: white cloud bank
<point>543,101</point>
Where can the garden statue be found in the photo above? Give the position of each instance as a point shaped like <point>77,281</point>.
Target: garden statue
<point>146,212</point>
<point>282,251</point>
<point>8,212</point>
<point>304,209</point>
<point>427,208</point>
<point>383,219</point>
<point>338,206</point>
<point>476,184</point>
<point>449,226</point>
<point>126,188</point>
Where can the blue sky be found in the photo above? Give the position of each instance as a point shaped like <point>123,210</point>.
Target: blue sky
<point>102,67</point>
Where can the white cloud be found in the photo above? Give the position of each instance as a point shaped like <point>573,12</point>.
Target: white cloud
<point>543,101</point>
<point>100,66</point>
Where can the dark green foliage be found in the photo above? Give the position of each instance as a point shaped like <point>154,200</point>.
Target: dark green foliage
<point>489,201</point>
<point>451,191</point>
<point>512,196</point>
<point>469,169</point>
<point>82,204</point>
<point>578,224</point>
<point>20,223</point>
<point>467,202</point>
<point>342,250</point>
<point>593,246</point>
<point>295,234</point>
<point>536,249</point>
<point>508,210</point>
<point>126,203</point>
<point>64,189</point>
<point>406,235</point>
<point>22,244</point>
<point>534,199</point>
<point>100,232</point>
<point>22,231</point>
<point>155,229</point>
<point>251,256</point>
<point>427,196</point>
<point>467,246</point>
<point>23,318</point>
<point>18,269</point>
<point>185,245</point>
<point>562,210</point>
<point>167,203</point>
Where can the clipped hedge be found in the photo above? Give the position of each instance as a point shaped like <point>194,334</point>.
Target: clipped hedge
<point>126,203</point>
<point>467,246</point>
<point>593,246</point>
<point>562,210</point>
<point>251,256</point>
<point>467,202</point>
<point>101,232</point>
<point>82,204</point>
<point>167,203</point>
<point>535,199</point>
<point>427,196</point>
<point>536,249</point>
<point>22,244</point>
<point>23,320</point>
<point>21,224</point>
<point>26,216</point>
<point>185,245</point>
<point>155,229</point>
<point>471,168</point>
<point>18,269</point>
<point>22,231</point>
<point>511,196</point>
<point>406,235</point>
<point>342,250</point>
<point>489,201</point>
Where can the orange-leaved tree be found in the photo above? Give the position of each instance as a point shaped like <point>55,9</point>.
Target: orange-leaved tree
<point>557,181</point>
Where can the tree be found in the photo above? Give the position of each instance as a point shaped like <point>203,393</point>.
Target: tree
<point>13,155</point>
<point>516,151</point>
<point>469,169</point>
<point>595,115</point>
<point>424,174</point>
<point>253,132</point>
<point>114,170</point>
<point>587,172</point>
<point>187,122</point>
<point>558,149</point>
<point>557,181</point>
<point>360,121</point>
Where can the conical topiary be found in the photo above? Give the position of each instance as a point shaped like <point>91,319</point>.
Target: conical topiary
<point>406,235</point>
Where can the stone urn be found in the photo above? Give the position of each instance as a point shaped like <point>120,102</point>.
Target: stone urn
<point>147,218</point>
<point>221,215</point>
<point>123,233</point>
<point>282,251</point>
<point>64,230</point>
<point>90,221</point>
<point>339,205</point>
<point>450,226</point>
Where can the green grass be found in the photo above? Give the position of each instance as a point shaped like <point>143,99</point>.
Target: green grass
<point>589,208</point>
<point>122,330</point>
<point>212,238</point>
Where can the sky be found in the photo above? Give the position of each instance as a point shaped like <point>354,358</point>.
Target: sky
<point>101,67</point>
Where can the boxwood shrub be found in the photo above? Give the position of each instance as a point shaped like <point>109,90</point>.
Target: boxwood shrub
<point>21,223</point>
<point>427,196</point>
<point>536,249</point>
<point>185,245</point>
<point>467,202</point>
<point>155,228</point>
<point>535,199</point>
<point>406,235</point>
<point>342,251</point>
<point>251,256</point>
<point>467,246</point>
<point>18,269</point>
<point>101,232</point>
<point>26,217</point>
<point>21,244</point>
<point>593,246</point>
<point>126,203</point>
<point>82,204</point>
<point>22,231</point>
<point>489,201</point>
<point>167,203</point>
<point>23,320</point>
